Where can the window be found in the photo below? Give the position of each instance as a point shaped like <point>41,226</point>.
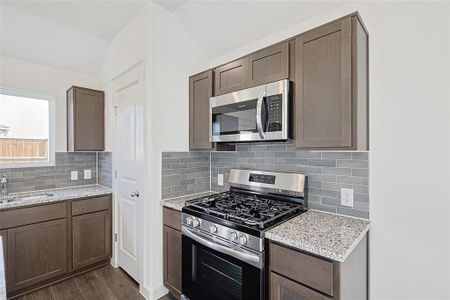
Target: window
<point>26,129</point>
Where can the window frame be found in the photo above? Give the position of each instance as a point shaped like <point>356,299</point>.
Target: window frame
<point>51,128</point>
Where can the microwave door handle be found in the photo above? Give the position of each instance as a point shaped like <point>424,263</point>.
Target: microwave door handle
<point>259,125</point>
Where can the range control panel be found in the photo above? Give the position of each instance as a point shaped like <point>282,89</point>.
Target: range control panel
<point>274,106</point>
<point>261,178</point>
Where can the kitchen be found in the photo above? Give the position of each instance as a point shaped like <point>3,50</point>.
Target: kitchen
<point>165,64</point>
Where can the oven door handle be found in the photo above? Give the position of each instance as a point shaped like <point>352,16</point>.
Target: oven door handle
<point>259,125</point>
<point>241,254</point>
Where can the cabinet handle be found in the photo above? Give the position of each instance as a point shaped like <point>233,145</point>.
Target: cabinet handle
<point>135,194</point>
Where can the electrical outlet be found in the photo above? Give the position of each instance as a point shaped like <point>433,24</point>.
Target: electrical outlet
<point>347,197</point>
<point>74,175</point>
<point>87,174</point>
<point>220,179</point>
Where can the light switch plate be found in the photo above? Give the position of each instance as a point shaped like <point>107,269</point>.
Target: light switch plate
<point>87,174</point>
<point>347,197</point>
<point>220,179</point>
<point>74,175</point>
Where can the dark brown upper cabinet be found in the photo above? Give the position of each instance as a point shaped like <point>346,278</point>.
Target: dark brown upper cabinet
<point>200,90</point>
<point>268,65</point>
<point>230,77</point>
<point>85,119</point>
<point>331,86</point>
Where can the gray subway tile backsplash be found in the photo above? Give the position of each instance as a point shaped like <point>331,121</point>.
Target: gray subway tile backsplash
<point>185,173</point>
<point>58,176</point>
<point>328,172</point>
<point>105,169</point>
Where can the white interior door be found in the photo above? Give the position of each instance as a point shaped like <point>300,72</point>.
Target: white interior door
<point>129,167</point>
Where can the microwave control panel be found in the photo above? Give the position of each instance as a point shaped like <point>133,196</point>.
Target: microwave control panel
<point>275,109</point>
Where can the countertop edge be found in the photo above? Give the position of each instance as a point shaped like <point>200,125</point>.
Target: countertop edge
<point>107,191</point>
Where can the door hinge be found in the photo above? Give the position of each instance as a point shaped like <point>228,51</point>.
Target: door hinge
<point>115,237</point>
<point>115,174</point>
<point>115,110</point>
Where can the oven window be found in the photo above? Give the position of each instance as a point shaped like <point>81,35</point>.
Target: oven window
<point>234,118</point>
<point>216,275</point>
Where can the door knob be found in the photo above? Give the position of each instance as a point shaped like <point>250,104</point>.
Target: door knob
<point>135,194</point>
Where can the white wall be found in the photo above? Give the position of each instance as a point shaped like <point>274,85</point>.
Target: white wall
<point>156,38</point>
<point>25,76</point>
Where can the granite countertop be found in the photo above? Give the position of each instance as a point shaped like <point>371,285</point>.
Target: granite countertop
<point>55,195</point>
<point>325,234</point>
<point>177,203</point>
<point>2,273</point>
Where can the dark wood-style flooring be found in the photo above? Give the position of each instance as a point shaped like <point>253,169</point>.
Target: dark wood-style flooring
<point>105,283</point>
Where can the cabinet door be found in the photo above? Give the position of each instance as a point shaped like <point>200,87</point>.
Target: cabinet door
<point>91,238</point>
<point>323,104</point>
<point>230,77</point>
<point>172,260</point>
<point>36,253</point>
<point>89,120</point>
<point>200,90</point>
<point>268,65</point>
<point>282,288</point>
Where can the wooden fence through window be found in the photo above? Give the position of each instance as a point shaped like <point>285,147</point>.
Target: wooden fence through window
<point>23,150</point>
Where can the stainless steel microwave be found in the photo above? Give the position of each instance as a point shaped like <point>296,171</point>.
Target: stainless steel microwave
<point>259,113</point>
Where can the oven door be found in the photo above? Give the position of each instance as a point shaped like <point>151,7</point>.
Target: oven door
<point>209,273</point>
<point>254,114</point>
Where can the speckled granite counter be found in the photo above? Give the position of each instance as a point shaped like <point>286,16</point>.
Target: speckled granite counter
<point>2,274</point>
<point>178,202</point>
<point>48,196</point>
<point>325,234</point>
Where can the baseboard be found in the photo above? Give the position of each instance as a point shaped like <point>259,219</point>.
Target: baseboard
<point>154,293</point>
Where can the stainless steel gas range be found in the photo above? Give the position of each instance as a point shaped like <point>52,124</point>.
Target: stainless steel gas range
<point>223,242</point>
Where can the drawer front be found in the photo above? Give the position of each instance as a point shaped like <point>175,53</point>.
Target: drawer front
<point>85,206</point>
<point>284,289</point>
<point>30,215</point>
<point>172,218</point>
<point>303,268</point>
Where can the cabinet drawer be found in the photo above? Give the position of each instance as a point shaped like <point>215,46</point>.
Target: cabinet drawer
<point>85,206</point>
<point>172,218</point>
<point>30,215</point>
<point>282,288</point>
<point>303,268</point>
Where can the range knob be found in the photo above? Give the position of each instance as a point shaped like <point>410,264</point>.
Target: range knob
<point>243,240</point>
<point>195,223</point>
<point>213,228</point>
<point>234,236</point>
<point>189,221</point>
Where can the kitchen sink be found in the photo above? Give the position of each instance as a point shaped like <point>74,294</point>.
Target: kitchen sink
<point>27,198</point>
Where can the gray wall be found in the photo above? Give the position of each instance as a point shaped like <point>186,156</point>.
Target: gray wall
<point>185,173</point>
<point>58,176</point>
<point>105,169</point>
<point>327,172</point>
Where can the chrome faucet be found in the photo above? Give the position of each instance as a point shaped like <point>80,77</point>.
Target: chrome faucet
<point>4,186</point>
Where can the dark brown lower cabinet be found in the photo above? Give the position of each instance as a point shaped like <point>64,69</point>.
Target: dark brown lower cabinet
<point>295,275</point>
<point>172,250</point>
<point>36,252</point>
<point>46,243</point>
<point>172,260</point>
<point>282,288</point>
<point>91,238</point>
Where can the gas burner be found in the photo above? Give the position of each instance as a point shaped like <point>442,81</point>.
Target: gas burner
<point>245,208</point>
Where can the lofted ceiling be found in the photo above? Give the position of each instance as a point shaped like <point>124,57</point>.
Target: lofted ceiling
<point>72,35</point>
<point>220,27</point>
